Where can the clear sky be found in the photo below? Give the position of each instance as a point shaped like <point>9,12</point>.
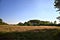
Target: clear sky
<point>14,11</point>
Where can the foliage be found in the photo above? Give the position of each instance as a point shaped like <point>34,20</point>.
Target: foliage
<point>21,24</point>
<point>58,17</point>
<point>27,24</point>
<point>37,23</point>
<point>2,23</point>
<point>54,22</point>
<point>57,5</point>
<point>0,20</point>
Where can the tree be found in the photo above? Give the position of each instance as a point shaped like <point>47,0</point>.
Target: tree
<point>54,22</point>
<point>21,24</point>
<point>57,5</point>
<point>58,17</point>
<point>2,23</point>
<point>34,22</point>
<point>37,23</point>
<point>0,20</point>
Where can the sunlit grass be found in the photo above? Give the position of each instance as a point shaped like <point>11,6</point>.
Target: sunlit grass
<point>11,28</point>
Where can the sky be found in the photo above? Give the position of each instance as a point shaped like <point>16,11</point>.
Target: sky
<point>15,11</point>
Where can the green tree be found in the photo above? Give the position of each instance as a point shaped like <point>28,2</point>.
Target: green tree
<point>54,22</point>
<point>0,20</point>
<point>2,23</point>
<point>21,24</point>
<point>38,22</point>
<point>57,5</point>
<point>25,24</point>
<point>58,18</point>
<point>34,22</point>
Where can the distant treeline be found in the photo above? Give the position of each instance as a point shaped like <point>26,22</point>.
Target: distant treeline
<point>38,23</point>
<point>33,23</point>
<point>2,23</point>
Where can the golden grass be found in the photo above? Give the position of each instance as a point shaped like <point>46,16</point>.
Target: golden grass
<point>10,28</point>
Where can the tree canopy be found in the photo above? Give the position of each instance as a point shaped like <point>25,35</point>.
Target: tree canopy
<point>2,23</point>
<point>0,20</point>
<point>57,5</point>
<point>36,23</point>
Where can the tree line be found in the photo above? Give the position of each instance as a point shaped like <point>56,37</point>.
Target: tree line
<point>38,23</point>
<point>33,23</point>
<point>2,23</point>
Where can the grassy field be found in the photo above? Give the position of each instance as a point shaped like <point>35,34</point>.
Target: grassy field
<point>10,28</point>
<point>9,32</point>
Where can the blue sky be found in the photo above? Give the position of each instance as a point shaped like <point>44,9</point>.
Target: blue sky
<point>14,11</point>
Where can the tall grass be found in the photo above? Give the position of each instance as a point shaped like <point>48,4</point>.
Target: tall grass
<point>42,34</point>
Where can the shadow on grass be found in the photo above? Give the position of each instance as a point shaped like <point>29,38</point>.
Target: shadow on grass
<point>45,34</point>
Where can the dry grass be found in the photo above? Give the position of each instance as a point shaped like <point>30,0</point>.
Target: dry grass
<point>10,28</point>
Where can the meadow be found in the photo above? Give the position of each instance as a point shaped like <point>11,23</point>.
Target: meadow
<point>10,32</point>
<point>11,28</point>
